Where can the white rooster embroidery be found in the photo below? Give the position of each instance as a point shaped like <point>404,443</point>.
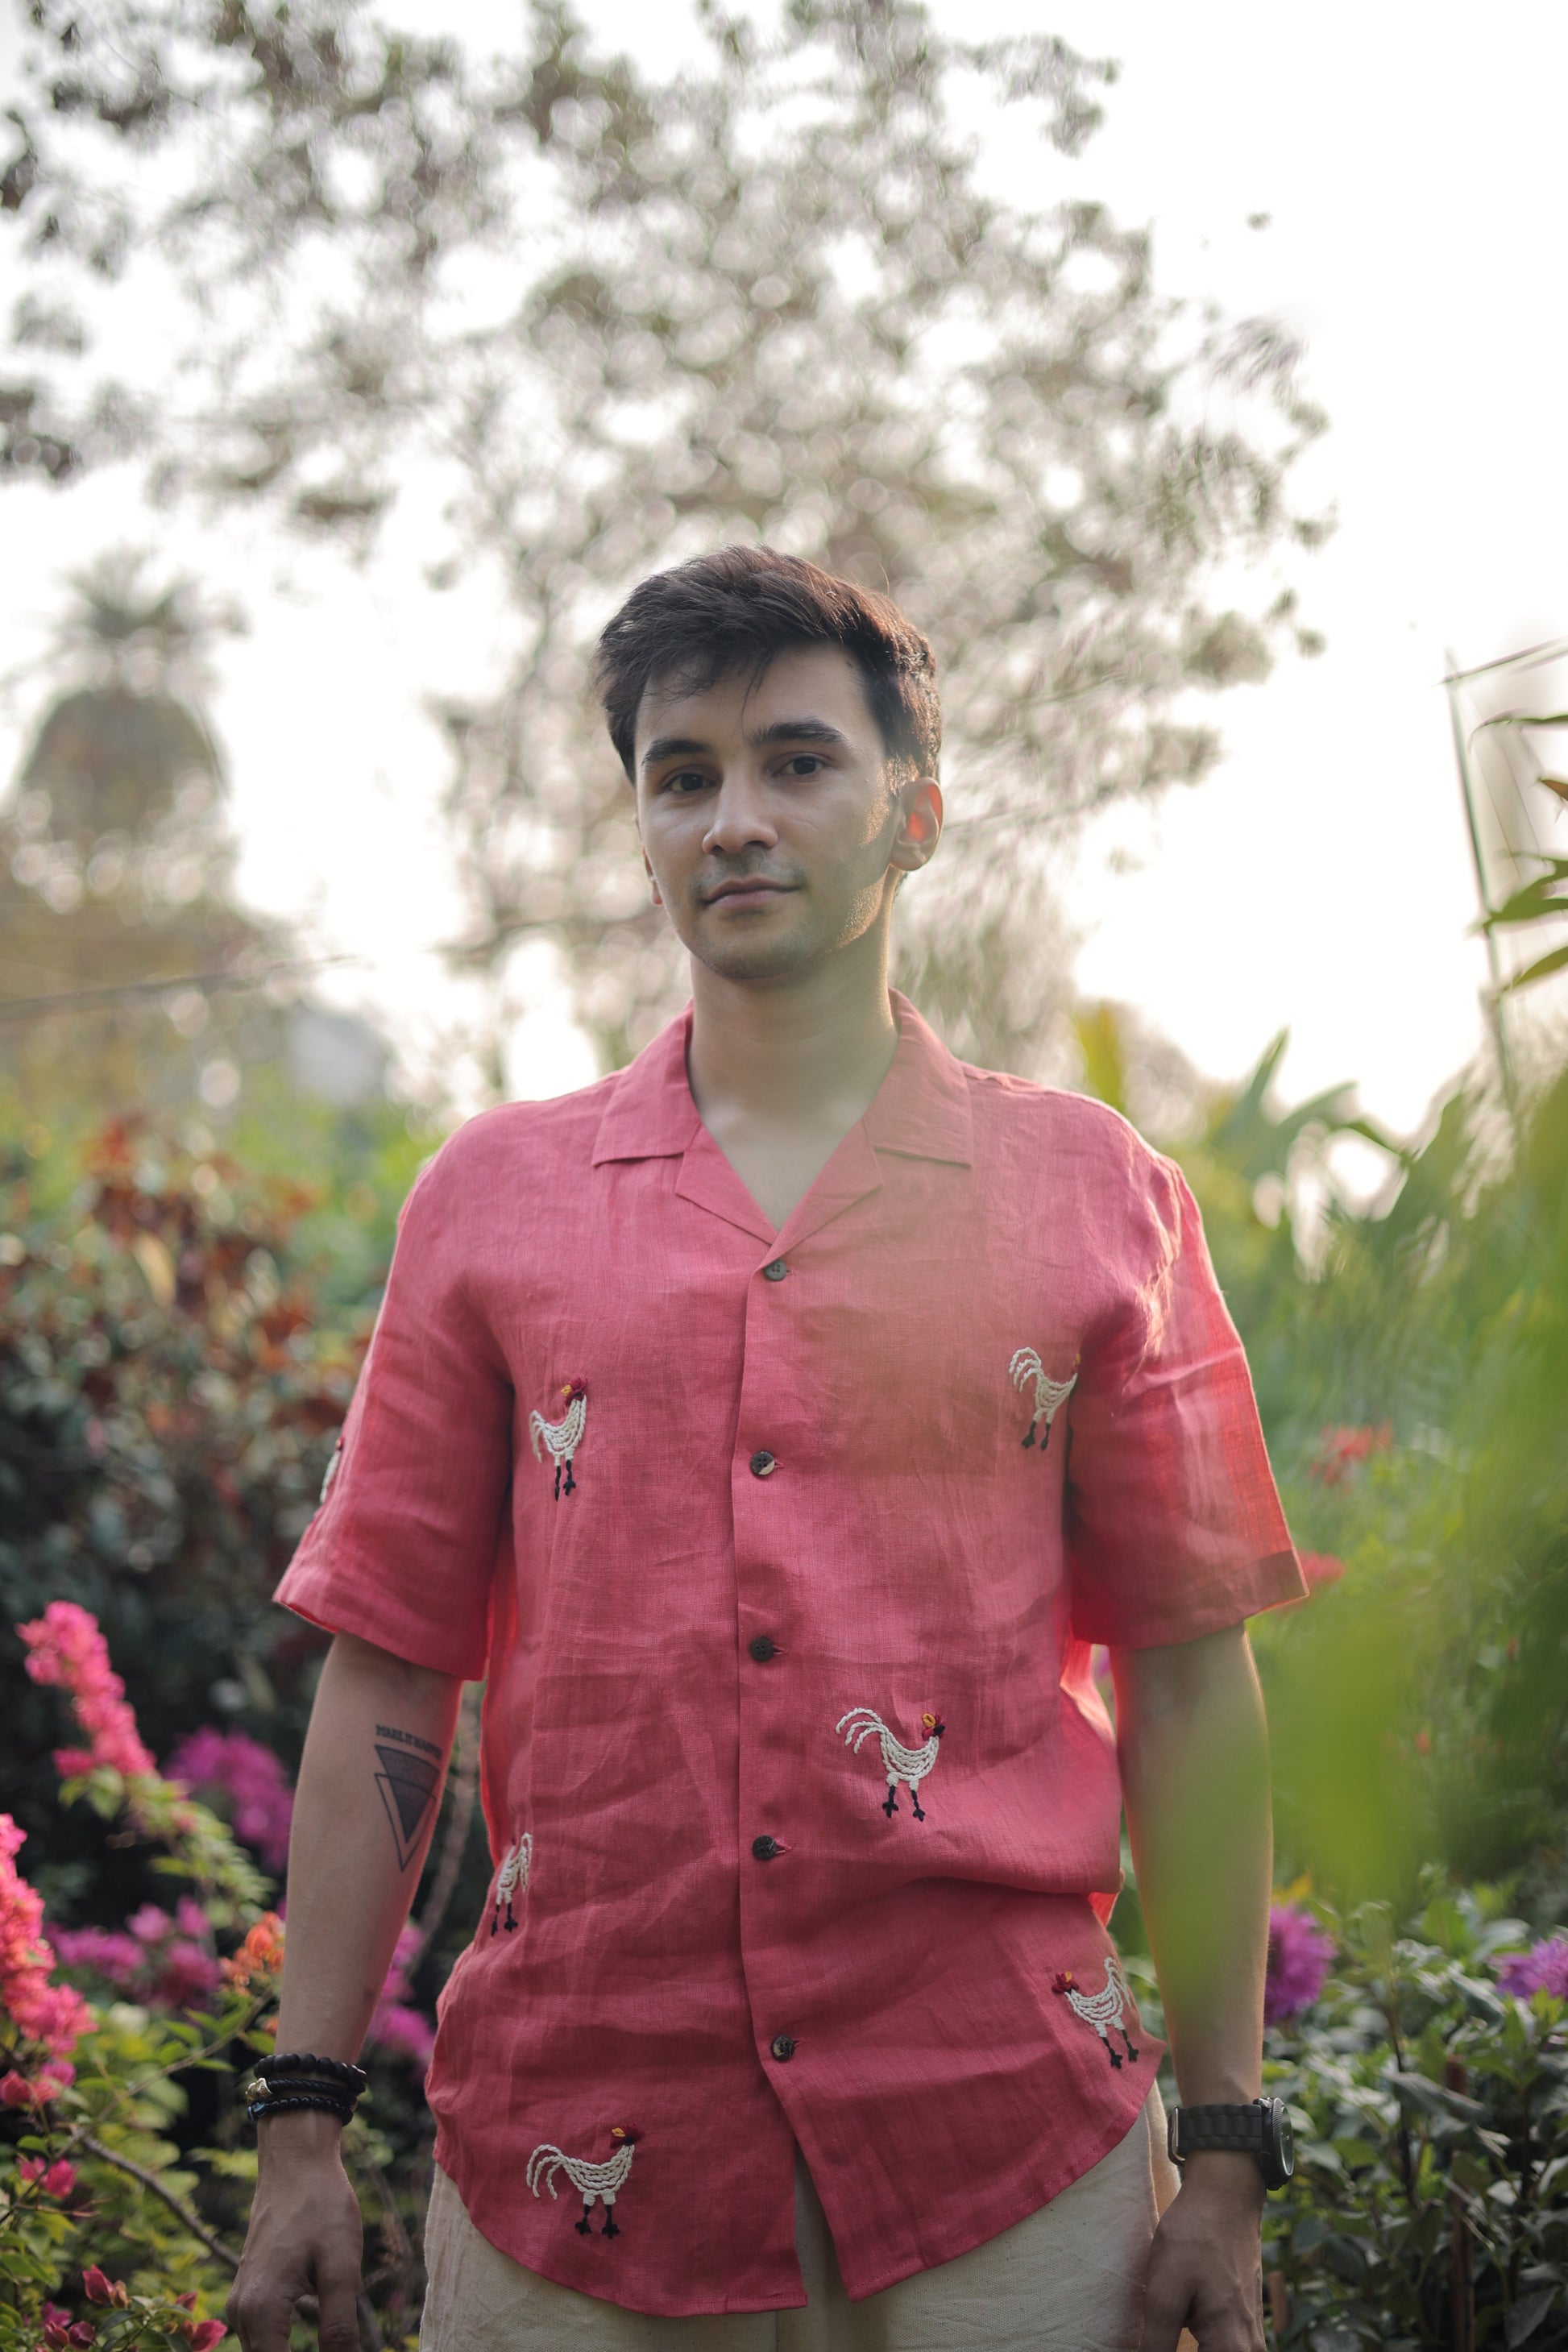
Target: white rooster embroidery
<point>512,1877</point>
<point>589,2180</point>
<point>1050,1395</point>
<point>909,1765</point>
<point>561,1438</point>
<point>1104,2008</point>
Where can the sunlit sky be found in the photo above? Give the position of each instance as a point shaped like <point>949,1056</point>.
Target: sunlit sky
<point>1409,162</point>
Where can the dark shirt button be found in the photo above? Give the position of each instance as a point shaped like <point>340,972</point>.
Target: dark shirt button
<point>764,1848</point>
<point>763,1464</point>
<point>763,1647</point>
<point>777,1271</point>
<point>783,2047</point>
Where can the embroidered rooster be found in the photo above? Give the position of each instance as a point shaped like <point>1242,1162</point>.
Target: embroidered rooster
<point>512,1876</point>
<point>590,2181</point>
<point>1050,1395</point>
<point>1104,2008</point>
<point>561,1438</point>
<point>909,1765</point>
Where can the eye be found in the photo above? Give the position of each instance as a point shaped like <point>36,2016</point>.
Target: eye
<point>804,763</point>
<point>685,782</point>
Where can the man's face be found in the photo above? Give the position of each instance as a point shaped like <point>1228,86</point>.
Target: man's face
<point>770,823</point>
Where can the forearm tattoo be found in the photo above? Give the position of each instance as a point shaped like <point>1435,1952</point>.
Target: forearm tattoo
<point>410,1783</point>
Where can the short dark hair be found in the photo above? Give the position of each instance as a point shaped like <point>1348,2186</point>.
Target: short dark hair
<point>741,607</point>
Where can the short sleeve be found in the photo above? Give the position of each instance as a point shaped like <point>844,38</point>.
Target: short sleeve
<point>1173,1525</point>
<point>403,1550</point>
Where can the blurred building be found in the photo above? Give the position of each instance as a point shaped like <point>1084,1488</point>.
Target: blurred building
<point>129,976</point>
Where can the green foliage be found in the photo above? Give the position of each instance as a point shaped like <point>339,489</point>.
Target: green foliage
<point>1431,2112</point>
<point>179,1340</point>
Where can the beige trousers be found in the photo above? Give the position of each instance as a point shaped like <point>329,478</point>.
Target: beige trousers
<point>1068,2279</point>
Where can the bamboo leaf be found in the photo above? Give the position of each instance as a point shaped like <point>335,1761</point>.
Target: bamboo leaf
<point>1556,962</point>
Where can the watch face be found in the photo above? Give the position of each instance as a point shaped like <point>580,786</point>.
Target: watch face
<point>1284,2140</point>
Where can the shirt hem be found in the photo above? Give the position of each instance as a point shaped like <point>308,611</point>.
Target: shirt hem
<point>1267,1583</point>
<point>324,1602</point>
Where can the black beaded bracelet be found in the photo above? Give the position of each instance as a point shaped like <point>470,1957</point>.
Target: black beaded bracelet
<point>293,2061</point>
<point>258,2108</point>
<point>296,2087</point>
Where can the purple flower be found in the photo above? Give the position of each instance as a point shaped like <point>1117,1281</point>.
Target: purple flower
<point>109,1953</point>
<point>402,2032</point>
<point>1300,1957</point>
<point>261,1803</point>
<point>1543,1968</point>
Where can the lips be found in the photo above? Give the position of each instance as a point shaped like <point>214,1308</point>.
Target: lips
<point>757,886</point>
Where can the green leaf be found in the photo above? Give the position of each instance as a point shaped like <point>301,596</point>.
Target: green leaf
<point>1547,963</point>
<point>1527,2313</point>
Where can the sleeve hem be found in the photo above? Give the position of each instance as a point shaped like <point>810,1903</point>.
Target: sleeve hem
<point>1270,1582</point>
<point>323,1601</point>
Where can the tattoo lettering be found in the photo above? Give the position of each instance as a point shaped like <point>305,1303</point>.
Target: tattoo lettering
<point>408,1739</point>
<point>410,1784</point>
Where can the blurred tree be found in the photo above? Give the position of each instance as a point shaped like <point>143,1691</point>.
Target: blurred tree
<point>770,297</point>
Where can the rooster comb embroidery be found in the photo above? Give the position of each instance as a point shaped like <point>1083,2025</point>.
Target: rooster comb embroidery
<point>909,1765</point>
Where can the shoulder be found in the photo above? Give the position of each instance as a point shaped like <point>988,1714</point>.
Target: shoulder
<point>1076,1160</point>
<point>1070,1127</point>
<point>514,1147</point>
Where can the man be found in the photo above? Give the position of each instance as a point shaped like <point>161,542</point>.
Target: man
<point>774,1426</point>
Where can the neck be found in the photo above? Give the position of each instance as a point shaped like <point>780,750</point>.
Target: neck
<point>808,1052</point>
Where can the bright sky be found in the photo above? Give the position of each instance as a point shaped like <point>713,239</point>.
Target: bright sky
<point>1409,162</point>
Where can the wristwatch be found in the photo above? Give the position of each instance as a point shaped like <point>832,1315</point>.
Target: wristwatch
<point>1261,2131</point>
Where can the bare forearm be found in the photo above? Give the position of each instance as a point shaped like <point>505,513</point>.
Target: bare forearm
<point>1194,1771</point>
<point>370,1786</point>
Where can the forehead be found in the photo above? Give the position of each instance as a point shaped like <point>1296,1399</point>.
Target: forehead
<point>818,682</point>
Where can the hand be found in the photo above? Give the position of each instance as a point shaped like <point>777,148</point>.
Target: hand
<point>305,2238</point>
<point>1206,2266</point>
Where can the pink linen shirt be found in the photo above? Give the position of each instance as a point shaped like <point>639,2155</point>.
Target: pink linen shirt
<point>782,1554</point>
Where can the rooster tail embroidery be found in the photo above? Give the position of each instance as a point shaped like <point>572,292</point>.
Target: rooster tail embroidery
<point>909,1765</point>
<point>1106,2010</point>
<point>561,1439</point>
<point>591,2180</point>
<point>1050,1395</point>
<point>511,1879</point>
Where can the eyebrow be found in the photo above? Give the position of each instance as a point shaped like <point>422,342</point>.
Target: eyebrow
<point>782,731</point>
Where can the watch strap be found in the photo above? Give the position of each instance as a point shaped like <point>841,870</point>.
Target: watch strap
<point>1244,2129</point>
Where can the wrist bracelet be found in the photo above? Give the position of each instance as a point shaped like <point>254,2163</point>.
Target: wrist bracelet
<point>296,2086</point>
<point>260,2109</point>
<point>337,2070</point>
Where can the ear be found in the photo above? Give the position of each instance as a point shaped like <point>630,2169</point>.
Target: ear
<point>653,886</point>
<point>919,824</point>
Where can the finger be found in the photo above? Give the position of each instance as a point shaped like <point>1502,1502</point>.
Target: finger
<point>1165,2309</point>
<point>337,2293</point>
<point>260,2317</point>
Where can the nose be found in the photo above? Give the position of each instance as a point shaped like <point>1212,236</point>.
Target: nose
<point>740,819</point>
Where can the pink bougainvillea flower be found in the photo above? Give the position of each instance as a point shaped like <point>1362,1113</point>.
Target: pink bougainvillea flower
<point>98,2289</point>
<point>40,2010</point>
<point>149,1924</point>
<point>1543,1968</point>
<point>56,2180</point>
<point>204,2333</point>
<point>1300,1954</point>
<point>108,1952</point>
<point>188,1975</point>
<point>261,1802</point>
<point>1341,1450</point>
<point>66,1648</point>
<point>1320,1568</point>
